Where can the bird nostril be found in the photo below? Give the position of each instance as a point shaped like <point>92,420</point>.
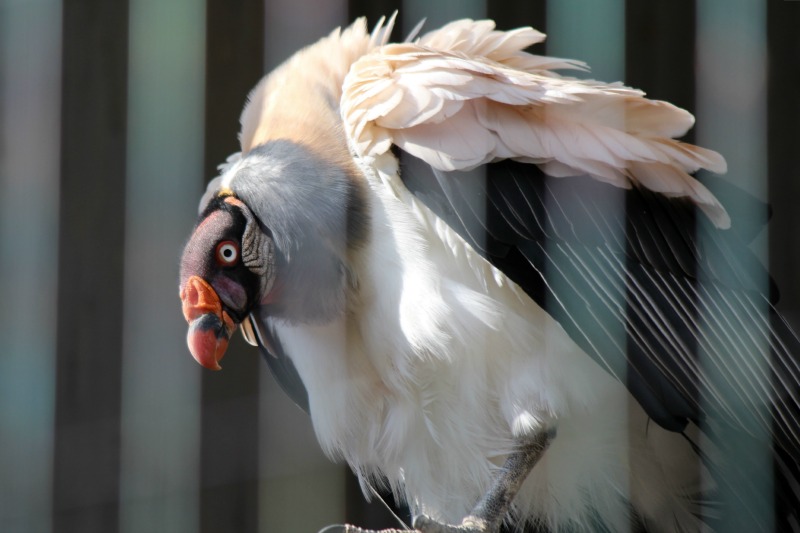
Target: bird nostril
<point>199,298</point>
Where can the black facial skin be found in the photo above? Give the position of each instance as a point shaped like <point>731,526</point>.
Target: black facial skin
<point>220,222</point>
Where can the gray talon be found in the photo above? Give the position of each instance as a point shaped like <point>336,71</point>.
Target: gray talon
<point>471,524</point>
<point>347,528</point>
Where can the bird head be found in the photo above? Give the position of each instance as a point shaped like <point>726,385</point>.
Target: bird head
<point>226,269</point>
<point>272,243</point>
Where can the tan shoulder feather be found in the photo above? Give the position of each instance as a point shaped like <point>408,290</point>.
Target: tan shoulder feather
<point>299,100</point>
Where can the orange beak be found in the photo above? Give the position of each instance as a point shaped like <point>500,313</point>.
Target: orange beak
<point>210,328</point>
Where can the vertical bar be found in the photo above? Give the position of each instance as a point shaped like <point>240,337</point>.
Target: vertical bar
<point>91,264</point>
<point>234,64</point>
<point>437,14</point>
<point>659,54</point>
<point>509,15</point>
<point>374,10</point>
<point>160,383</point>
<point>357,510</point>
<point>593,32</point>
<point>300,489</point>
<point>288,26</point>
<point>731,87</point>
<point>783,115</point>
<point>30,86</point>
<point>731,118</point>
<point>230,399</point>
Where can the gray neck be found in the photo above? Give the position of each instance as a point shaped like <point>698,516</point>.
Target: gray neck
<point>317,214</point>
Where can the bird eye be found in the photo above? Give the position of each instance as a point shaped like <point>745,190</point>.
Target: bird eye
<point>227,253</point>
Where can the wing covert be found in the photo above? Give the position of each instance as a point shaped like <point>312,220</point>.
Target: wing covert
<point>466,95</point>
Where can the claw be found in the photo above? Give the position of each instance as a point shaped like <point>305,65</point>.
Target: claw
<point>347,528</point>
<point>422,524</point>
<point>487,516</point>
<point>470,524</point>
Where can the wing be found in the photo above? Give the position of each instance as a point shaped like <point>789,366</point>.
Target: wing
<point>258,332</point>
<point>466,95</point>
<point>603,230</point>
<point>676,308</point>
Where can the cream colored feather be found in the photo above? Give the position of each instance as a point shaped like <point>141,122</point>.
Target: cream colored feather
<point>299,100</point>
<point>466,94</point>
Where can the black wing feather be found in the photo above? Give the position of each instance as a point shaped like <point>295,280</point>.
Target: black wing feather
<point>647,286</point>
<point>643,283</point>
<point>280,365</point>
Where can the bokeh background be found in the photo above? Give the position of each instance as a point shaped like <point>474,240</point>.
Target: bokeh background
<point>113,116</point>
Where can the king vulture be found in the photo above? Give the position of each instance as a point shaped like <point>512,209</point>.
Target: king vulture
<point>508,295</point>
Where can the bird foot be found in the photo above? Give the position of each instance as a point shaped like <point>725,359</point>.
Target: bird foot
<point>348,528</point>
<point>423,524</point>
<point>470,524</point>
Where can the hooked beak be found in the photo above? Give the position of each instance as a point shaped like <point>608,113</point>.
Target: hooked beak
<point>210,327</point>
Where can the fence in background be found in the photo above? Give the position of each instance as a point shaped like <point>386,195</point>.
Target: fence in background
<point>113,115</point>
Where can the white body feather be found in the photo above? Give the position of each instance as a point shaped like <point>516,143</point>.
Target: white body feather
<point>449,364</point>
<point>441,363</point>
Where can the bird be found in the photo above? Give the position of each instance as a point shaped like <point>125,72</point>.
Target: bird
<point>508,295</point>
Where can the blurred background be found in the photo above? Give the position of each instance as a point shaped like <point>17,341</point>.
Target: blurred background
<point>113,116</point>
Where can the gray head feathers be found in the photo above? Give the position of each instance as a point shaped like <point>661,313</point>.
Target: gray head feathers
<point>316,213</point>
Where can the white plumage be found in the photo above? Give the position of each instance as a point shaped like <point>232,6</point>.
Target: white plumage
<point>449,364</point>
<point>438,364</point>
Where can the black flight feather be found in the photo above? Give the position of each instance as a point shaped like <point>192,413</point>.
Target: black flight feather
<point>678,310</point>
<point>645,284</point>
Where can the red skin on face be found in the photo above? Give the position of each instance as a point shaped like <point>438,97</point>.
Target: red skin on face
<point>202,308</point>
